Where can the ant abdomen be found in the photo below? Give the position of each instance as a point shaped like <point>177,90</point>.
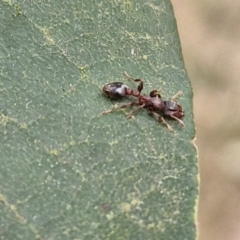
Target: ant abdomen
<point>115,90</point>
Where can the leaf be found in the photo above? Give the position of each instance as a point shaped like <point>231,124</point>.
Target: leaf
<point>67,171</point>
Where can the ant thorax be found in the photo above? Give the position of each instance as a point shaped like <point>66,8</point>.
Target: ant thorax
<point>157,103</point>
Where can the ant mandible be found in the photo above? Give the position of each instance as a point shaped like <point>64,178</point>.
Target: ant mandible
<point>153,103</point>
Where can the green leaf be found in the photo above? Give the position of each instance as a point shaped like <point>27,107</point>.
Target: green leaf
<point>67,171</point>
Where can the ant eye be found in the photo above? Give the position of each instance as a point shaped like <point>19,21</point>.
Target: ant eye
<point>115,90</point>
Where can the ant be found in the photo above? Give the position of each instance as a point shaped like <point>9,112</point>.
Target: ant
<point>152,103</point>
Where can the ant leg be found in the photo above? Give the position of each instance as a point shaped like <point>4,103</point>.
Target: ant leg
<point>120,107</point>
<point>140,86</point>
<point>177,95</point>
<point>161,119</point>
<point>177,119</point>
<point>155,93</point>
<point>135,111</point>
<point>125,74</point>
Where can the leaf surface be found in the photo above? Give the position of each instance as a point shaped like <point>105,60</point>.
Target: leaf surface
<point>67,171</point>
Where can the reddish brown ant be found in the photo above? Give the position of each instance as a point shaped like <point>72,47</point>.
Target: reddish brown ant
<point>152,103</point>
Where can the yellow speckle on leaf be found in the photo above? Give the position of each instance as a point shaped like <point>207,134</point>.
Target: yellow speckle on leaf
<point>126,207</point>
<point>114,142</point>
<point>110,216</point>
<point>4,119</point>
<point>23,125</point>
<point>47,35</point>
<point>54,152</point>
<point>150,226</point>
<point>127,4</point>
<point>136,202</point>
